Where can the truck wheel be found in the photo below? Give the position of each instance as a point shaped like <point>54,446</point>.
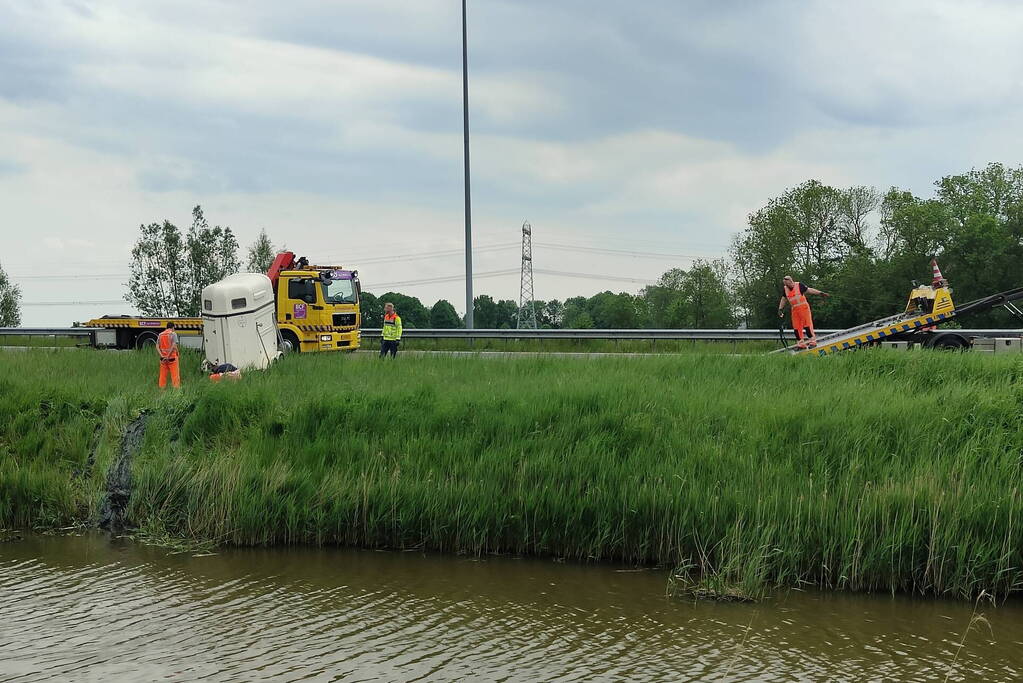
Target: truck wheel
<point>949,342</point>
<point>290,342</point>
<point>146,340</point>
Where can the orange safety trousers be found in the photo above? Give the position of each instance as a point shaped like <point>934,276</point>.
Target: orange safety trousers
<point>802,320</point>
<point>170,366</point>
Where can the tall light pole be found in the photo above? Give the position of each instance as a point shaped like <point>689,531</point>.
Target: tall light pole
<point>468,206</point>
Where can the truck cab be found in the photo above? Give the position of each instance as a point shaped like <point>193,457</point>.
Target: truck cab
<point>317,306</point>
<point>930,299</point>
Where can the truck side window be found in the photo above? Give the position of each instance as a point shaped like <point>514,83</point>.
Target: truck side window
<point>207,304</point>
<point>238,303</point>
<point>303,289</point>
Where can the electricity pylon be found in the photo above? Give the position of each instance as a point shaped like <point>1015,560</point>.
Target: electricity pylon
<point>526,319</point>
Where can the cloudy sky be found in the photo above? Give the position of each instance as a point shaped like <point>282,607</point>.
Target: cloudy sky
<point>633,136</point>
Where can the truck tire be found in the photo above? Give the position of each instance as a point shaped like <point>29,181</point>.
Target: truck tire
<point>146,340</point>
<point>948,341</point>
<point>290,343</point>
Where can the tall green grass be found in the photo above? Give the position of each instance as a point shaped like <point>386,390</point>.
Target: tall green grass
<point>869,471</point>
<point>584,345</point>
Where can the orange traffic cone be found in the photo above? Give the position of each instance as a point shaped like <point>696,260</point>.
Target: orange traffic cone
<point>939,279</point>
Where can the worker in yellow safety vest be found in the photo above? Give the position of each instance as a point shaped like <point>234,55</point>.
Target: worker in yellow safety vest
<point>391,335</point>
<point>167,347</point>
<point>794,294</point>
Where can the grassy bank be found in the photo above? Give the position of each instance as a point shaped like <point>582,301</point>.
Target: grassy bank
<point>879,471</point>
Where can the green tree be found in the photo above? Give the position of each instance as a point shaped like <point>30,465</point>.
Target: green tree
<point>575,315</point>
<point>507,314</point>
<point>660,298</point>
<point>485,312</point>
<point>806,232</point>
<point>212,255</point>
<point>10,302</point>
<point>158,284</point>
<point>261,254</point>
<point>613,311</point>
<point>579,320</point>
<point>697,298</point>
<point>443,316</point>
<point>993,191</point>
<point>703,300</point>
<point>412,311</point>
<point>549,314</point>
<point>856,205</point>
<point>372,310</point>
<point>168,271</point>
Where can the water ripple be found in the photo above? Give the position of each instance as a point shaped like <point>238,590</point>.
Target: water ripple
<point>83,609</point>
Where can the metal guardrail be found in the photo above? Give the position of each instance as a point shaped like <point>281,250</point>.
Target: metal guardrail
<point>648,335</point>
<point>413,333</point>
<point>48,331</point>
<point>84,332</point>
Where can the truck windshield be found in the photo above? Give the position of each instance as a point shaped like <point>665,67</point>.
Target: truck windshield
<point>339,292</point>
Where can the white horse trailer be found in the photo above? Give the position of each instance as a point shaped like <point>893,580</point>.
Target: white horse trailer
<point>239,321</point>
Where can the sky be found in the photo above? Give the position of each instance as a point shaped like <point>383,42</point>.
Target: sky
<point>634,137</point>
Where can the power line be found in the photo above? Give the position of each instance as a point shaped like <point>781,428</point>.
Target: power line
<point>437,280</point>
<point>360,262</point>
<point>410,283</point>
<point>416,255</point>
<point>625,252</point>
<point>593,276</point>
<point>512,271</point>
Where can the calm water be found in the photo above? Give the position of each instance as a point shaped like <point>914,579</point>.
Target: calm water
<point>86,609</point>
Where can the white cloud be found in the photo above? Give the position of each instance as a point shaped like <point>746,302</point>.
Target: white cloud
<point>908,91</point>
<point>128,52</point>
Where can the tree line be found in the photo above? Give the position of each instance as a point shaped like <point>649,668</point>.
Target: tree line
<point>10,301</point>
<point>867,247</point>
<point>693,298</point>
<point>170,267</point>
<point>862,245</point>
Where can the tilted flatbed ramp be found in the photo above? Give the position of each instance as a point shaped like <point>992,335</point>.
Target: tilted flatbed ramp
<point>909,324</point>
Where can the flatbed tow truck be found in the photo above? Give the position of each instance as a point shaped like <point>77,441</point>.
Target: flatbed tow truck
<point>928,306</point>
<point>317,309</point>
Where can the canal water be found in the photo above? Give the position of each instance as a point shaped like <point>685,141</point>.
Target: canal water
<point>90,609</point>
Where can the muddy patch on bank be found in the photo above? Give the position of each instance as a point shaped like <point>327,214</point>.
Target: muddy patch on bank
<point>113,511</point>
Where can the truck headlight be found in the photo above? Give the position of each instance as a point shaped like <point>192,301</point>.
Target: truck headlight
<point>325,337</point>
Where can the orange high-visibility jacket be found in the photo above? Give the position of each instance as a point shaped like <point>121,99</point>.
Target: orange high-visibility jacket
<point>796,297</point>
<point>167,345</point>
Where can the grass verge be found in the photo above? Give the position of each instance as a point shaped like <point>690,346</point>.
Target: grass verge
<point>673,346</point>
<point>869,471</point>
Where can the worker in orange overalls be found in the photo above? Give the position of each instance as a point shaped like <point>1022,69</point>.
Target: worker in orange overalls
<point>167,346</point>
<point>794,294</point>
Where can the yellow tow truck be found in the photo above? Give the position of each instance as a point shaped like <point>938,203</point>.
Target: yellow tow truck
<point>317,310</point>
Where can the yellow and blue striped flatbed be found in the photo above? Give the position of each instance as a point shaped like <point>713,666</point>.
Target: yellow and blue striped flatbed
<point>913,322</point>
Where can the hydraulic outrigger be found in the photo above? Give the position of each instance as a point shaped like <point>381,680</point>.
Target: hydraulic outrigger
<point>928,306</point>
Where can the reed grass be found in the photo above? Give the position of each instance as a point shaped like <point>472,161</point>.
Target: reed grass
<point>586,345</point>
<point>868,471</point>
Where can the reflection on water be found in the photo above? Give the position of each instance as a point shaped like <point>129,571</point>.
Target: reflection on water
<point>83,609</point>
